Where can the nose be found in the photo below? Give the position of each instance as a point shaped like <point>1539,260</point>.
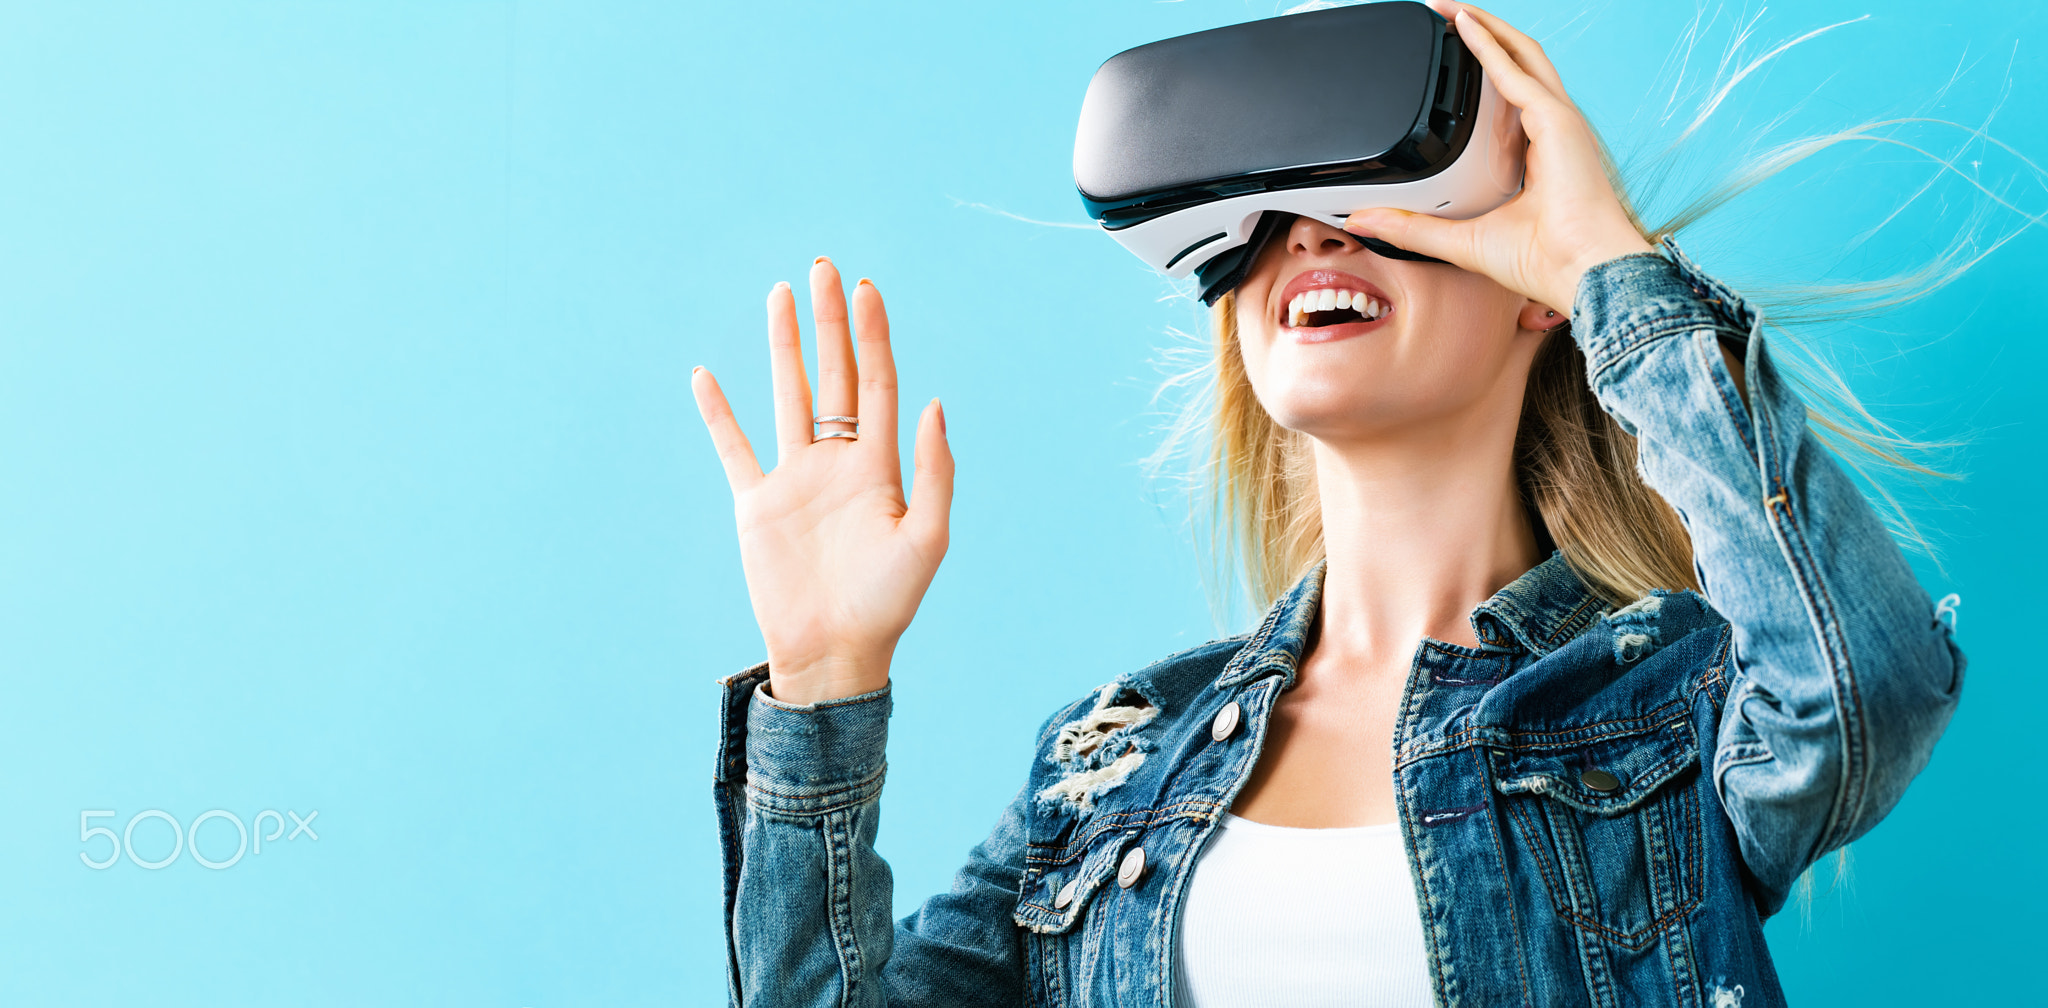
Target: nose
<point>1310,237</point>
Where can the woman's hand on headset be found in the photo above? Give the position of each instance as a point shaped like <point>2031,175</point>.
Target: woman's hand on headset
<point>836,560</point>
<point>1567,217</point>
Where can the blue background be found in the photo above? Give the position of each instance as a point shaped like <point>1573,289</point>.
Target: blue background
<point>347,462</point>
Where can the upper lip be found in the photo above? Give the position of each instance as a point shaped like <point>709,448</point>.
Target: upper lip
<point>1318,279</point>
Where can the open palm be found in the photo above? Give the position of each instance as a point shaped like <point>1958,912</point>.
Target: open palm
<point>836,559</point>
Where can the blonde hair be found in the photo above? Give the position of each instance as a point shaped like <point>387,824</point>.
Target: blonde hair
<point>1574,463</point>
<point>1254,481</point>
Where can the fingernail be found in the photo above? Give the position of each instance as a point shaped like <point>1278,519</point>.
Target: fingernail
<point>696,369</point>
<point>942,414</point>
<point>779,285</point>
<point>870,283</point>
<point>821,259</point>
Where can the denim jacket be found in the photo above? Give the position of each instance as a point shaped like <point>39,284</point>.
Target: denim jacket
<point>1599,806</point>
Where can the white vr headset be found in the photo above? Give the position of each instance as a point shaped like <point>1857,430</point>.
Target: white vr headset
<point>1194,151</point>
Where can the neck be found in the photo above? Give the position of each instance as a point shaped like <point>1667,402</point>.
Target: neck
<point>1420,529</point>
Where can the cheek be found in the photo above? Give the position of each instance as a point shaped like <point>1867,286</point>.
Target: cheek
<point>1254,346</point>
<point>1462,347</point>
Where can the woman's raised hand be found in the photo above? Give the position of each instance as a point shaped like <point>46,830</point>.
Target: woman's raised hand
<point>836,560</point>
<point>1567,217</point>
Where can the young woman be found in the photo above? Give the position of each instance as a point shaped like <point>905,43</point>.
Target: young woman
<point>1583,647</point>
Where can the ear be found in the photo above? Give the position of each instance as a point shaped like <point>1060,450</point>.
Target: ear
<point>1539,317</point>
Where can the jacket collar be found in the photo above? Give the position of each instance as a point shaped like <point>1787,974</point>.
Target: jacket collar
<point>1276,646</point>
<point>1538,612</point>
<point>1541,610</point>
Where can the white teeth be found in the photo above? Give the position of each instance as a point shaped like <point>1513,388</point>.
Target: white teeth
<point>1331,299</point>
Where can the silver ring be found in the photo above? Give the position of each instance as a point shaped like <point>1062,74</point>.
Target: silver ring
<point>854,420</point>
<point>830,434</point>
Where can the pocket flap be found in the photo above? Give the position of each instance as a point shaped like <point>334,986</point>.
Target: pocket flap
<point>1603,775</point>
<point>1039,904</point>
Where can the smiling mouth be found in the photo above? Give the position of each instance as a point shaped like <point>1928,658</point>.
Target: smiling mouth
<point>1333,306</point>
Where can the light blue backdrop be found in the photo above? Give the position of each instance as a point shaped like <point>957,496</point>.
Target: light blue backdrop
<point>348,468</point>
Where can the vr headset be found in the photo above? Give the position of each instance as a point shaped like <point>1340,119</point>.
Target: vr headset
<point>1195,151</point>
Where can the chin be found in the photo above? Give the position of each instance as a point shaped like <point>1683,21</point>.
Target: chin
<point>1359,403</point>
<point>1329,413</point>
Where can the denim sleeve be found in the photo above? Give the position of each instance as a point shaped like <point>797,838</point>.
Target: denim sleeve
<point>807,899</point>
<point>1842,674</point>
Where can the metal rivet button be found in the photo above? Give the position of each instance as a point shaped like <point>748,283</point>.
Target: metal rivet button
<point>1066,894</point>
<point>1132,869</point>
<point>1599,780</point>
<point>1225,724</point>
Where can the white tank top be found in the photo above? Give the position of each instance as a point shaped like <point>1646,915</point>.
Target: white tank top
<point>1303,918</point>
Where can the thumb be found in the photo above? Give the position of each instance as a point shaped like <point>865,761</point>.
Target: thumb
<point>1432,236</point>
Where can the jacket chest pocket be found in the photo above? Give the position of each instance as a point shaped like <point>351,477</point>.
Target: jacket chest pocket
<point>1611,825</point>
<point>1070,913</point>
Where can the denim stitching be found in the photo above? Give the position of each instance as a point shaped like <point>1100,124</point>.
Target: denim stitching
<point>1631,942</point>
<point>1133,814</point>
<point>1501,858</point>
<point>1681,959</point>
<point>1639,940</point>
<point>839,908</point>
<point>766,799</point>
<point>1570,619</point>
<point>1537,841</point>
<point>1645,333</point>
<point>1547,740</point>
<point>729,839</point>
<point>1428,902</point>
<point>1650,720</point>
<point>1715,675</point>
<point>732,736</point>
<point>1055,965</point>
<point>1246,656</point>
<point>1076,849</point>
<point>1848,707</point>
<point>1091,882</point>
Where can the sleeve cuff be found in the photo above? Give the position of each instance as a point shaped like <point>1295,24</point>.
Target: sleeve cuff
<point>803,760</point>
<point>1629,301</point>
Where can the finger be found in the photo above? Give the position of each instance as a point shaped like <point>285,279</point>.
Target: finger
<point>786,364</point>
<point>1527,52</point>
<point>1532,96</point>
<point>734,452</point>
<point>931,482</point>
<point>1449,240</point>
<point>836,370</point>
<point>877,395</point>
